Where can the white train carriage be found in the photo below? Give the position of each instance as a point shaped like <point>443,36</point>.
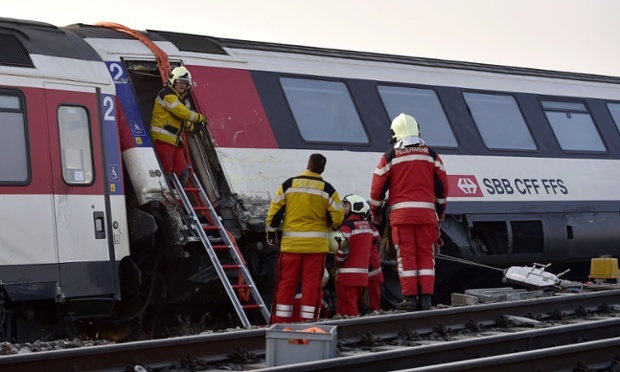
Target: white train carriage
<point>532,155</point>
<point>64,224</point>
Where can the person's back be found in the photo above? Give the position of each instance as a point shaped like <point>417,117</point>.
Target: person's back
<point>352,273</point>
<point>306,213</point>
<point>412,184</point>
<point>309,207</point>
<point>418,187</point>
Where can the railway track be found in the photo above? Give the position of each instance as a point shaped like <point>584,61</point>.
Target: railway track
<point>247,346</point>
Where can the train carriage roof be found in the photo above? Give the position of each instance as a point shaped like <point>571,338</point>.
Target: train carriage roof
<point>22,38</point>
<point>216,45</point>
<point>19,39</point>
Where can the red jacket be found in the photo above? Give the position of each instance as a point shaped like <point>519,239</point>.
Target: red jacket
<point>353,270</point>
<point>418,185</point>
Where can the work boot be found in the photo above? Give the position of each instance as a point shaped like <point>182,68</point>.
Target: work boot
<point>424,302</point>
<point>410,303</point>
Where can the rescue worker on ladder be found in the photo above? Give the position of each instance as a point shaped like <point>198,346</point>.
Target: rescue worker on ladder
<point>310,207</point>
<point>418,187</point>
<point>352,264</point>
<point>171,117</point>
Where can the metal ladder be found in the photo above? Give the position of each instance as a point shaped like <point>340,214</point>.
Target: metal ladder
<point>201,203</point>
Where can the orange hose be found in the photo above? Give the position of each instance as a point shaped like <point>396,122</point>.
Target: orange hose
<point>163,63</point>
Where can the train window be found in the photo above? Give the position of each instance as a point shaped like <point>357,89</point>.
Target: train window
<point>573,126</point>
<point>424,106</point>
<point>13,144</point>
<point>614,109</point>
<point>324,111</point>
<point>500,121</point>
<point>76,152</point>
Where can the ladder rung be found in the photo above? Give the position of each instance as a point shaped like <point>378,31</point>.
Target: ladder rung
<point>239,286</point>
<point>215,237</point>
<point>251,306</point>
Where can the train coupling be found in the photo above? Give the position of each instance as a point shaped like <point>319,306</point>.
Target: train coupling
<point>532,276</point>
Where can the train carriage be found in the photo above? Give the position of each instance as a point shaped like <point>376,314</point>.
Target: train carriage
<point>532,157</point>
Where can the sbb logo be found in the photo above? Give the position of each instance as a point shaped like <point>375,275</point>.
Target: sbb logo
<point>464,186</point>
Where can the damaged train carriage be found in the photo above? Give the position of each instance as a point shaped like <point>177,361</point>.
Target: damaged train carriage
<point>510,138</point>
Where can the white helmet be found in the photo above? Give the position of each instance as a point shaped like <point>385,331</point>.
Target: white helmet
<point>337,240</point>
<point>182,75</point>
<point>359,205</point>
<point>404,126</point>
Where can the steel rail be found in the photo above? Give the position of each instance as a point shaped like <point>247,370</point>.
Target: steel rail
<point>455,318</point>
<point>485,352</point>
<point>218,346</point>
<point>600,355</point>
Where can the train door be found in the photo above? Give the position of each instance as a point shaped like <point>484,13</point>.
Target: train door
<point>80,197</point>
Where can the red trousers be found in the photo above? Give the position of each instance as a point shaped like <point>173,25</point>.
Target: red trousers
<point>291,268</point>
<point>415,257</point>
<point>172,157</point>
<point>347,299</point>
<point>323,312</point>
<point>374,293</point>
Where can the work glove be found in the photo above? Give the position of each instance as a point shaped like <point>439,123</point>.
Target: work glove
<point>272,238</point>
<point>441,216</point>
<point>375,216</point>
<point>198,127</point>
<point>202,119</point>
<point>342,254</point>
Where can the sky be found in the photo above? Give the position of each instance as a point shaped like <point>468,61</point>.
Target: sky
<point>564,35</point>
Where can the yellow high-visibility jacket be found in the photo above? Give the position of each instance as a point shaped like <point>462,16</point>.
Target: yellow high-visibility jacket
<point>310,207</point>
<point>171,116</point>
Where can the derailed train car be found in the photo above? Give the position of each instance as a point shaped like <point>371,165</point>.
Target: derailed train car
<point>532,157</point>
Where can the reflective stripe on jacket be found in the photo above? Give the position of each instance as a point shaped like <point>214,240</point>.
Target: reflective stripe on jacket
<point>171,116</point>
<point>418,185</point>
<point>309,207</point>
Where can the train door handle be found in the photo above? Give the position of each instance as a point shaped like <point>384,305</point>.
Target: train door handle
<point>99,225</point>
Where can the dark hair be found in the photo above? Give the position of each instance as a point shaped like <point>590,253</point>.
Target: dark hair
<point>316,163</point>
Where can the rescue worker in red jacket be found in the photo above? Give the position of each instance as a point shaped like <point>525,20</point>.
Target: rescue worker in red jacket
<point>171,117</point>
<point>418,188</point>
<point>352,264</point>
<point>375,273</point>
<point>309,207</point>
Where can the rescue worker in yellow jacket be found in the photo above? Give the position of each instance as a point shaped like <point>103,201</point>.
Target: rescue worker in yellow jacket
<point>309,207</point>
<point>171,117</point>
